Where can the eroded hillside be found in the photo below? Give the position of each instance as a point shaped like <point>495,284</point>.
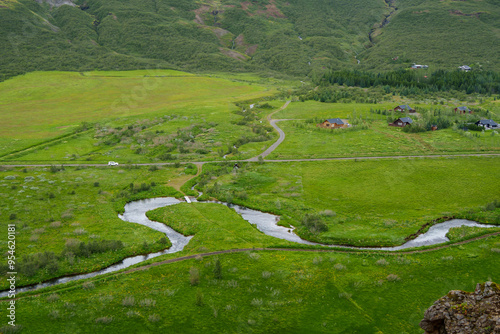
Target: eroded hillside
<point>295,37</point>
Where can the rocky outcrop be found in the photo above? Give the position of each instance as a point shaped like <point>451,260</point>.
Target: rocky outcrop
<point>57,3</point>
<point>462,312</point>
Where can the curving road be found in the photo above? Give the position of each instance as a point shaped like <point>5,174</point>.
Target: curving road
<point>281,132</point>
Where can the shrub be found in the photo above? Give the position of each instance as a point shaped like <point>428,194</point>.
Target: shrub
<point>194,276</point>
<point>256,302</point>
<point>382,262</point>
<point>55,224</point>
<point>345,295</point>
<point>266,274</point>
<point>103,320</point>
<point>154,318</point>
<point>54,314</point>
<point>88,286</point>
<point>393,278</point>
<point>314,223</point>
<point>339,266</point>
<point>53,298</point>
<point>217,270</point>
<point>199,298</point>
<point>128,301</point>
<point>492,206</point>
<point>147,303</point>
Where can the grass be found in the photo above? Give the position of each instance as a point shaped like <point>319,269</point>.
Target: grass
<point>301,294</point>
<point>305,140</point>
<point>49,103</point>
<point>54,208</point>
<point>214,226</point>
<point>126,116</point>
<point>370,202</point>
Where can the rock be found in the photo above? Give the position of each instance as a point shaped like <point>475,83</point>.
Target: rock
<point>58,3</point>
<point>461,312</point>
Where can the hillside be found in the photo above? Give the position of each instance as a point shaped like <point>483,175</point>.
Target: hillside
<point>294,37</point>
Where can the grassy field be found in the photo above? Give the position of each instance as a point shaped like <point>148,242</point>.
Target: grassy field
<point>265,292</point>
<point>375,138</point>
<point>364,202</point>
<point>55,209</point>
<point>124,115</point>
<point>215,227</point>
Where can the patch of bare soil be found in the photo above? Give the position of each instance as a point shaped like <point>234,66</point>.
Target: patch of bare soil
<point>272,11</point>
<point>460,13</point>
<point>252,49</point>
<point>240,40</point>
<point>198,12</point>
<point>232,54</point>
<point>219,32</point>
<point>246,5</point>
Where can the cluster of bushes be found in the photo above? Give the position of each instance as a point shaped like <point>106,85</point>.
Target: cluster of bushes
<point>31,264</point>
<point>314,223</point>
<point>425,124</point>
<point>82,249</point>
<point>133,189</point>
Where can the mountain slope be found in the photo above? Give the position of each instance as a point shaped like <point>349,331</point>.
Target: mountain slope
<point>295,37</point>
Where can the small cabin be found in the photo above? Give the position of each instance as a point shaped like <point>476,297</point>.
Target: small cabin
<point>487,124</point>
<point>402,122</point>
<point>334,123</point>
<point>404,108</point>
<point>464,68</point>
<point>463,110</point>
<point>416,66</point>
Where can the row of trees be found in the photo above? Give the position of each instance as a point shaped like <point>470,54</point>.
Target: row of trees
<point>411,81</point>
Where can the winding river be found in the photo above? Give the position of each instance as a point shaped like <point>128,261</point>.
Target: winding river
<point>135,212</point>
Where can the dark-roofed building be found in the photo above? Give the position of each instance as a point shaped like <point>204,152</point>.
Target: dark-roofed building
<point>487,124</point>
<point>404,108</point>
<point>401,122</point>
<point>463,110</point>
<point>333,123</point>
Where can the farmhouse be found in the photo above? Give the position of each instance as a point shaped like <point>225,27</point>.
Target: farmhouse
<point>404,108</point>
<point>487,124</point>
<point>401,122</point>
<point>465,68</point>
<point>463,110</point>
<point>334,123</point>
<point>415,66</point>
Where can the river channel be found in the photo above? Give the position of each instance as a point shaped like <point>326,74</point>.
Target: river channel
<point>135,212</point>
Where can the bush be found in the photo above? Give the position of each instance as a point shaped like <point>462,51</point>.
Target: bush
<point>314,223</point>
<point>194,276</point>
<point>217,270</point>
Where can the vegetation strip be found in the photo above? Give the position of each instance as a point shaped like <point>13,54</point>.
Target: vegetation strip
<point>229,251</point>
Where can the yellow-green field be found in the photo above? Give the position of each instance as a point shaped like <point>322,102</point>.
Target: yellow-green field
<point>44,105</point>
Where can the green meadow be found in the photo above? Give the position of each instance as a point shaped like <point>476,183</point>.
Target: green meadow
<point>265,292</point>
<point>371,136</point>
<point>363,202</point>
<point>64,116</point>
<point>55,210</point>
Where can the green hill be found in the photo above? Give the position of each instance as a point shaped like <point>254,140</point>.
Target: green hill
<point>295,37</point>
